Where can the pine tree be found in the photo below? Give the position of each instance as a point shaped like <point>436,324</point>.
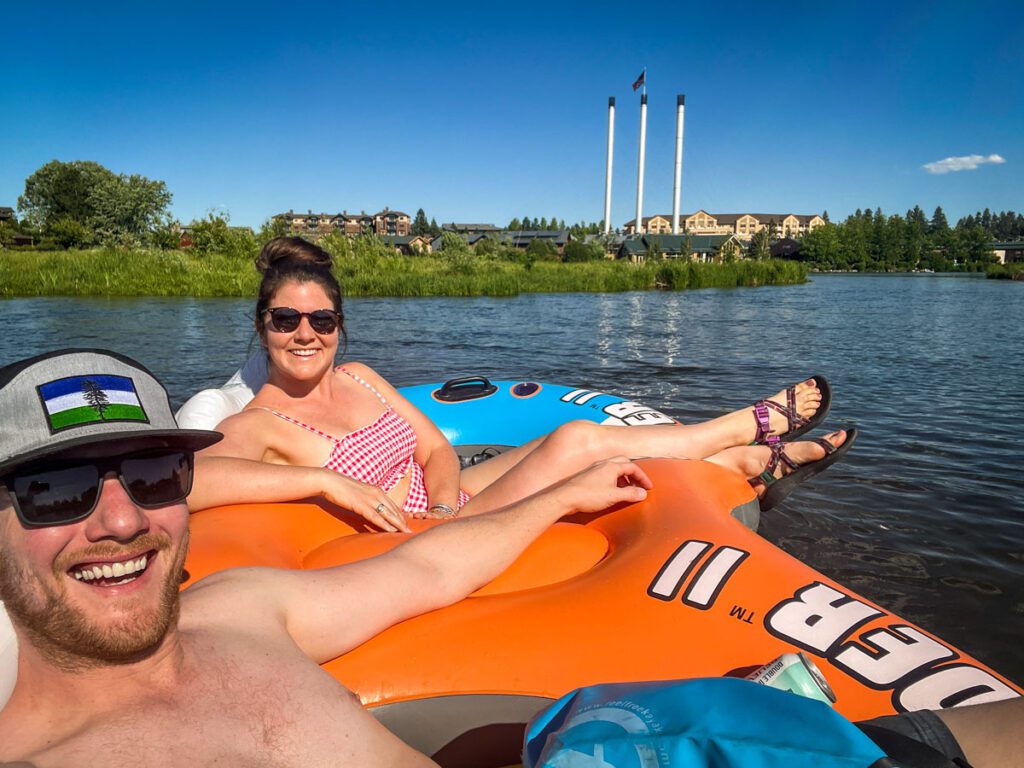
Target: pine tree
<point>760,247</point>
<point>95,397</point>
<point>419,224</point>
<point>515,225</point>
<point>435,231</point>
<point>824,216</point>
<point>938,222</point>
<point>916,216</point>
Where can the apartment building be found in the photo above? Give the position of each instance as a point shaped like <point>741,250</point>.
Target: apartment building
<point>743,225</point>
<point>382,223</point>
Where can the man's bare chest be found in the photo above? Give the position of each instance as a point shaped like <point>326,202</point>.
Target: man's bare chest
<point>237,710</point>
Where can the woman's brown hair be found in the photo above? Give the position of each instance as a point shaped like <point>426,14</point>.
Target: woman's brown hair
<point>292,259</point>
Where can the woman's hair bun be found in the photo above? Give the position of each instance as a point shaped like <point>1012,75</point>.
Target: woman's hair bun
<point>291,250</point>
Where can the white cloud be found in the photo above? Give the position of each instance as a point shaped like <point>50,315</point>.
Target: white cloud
<point>963,163</point>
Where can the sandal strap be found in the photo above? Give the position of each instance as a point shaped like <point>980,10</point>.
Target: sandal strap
<point>767,477</point>
<point>778,455</point>
<point>829,448</point>
<point>761,417</point>
<point>794,419</point>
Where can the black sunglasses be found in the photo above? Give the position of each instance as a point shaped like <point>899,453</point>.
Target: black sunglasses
<point>287,319</point>
<point>66,492</point>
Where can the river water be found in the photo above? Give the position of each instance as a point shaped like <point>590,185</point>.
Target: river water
<point>925,516</point>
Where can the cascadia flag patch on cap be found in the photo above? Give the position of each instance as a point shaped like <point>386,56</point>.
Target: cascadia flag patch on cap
<point>79,400</point>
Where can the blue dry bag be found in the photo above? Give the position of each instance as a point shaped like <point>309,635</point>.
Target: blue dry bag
<point>703,723</point>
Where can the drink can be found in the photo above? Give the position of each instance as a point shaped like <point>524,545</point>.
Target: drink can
<point>795,673</point>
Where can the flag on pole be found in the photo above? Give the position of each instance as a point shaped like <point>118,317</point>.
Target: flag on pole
<point>640,80</point>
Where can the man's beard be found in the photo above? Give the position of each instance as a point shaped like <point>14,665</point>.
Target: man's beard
<point>66,637</point>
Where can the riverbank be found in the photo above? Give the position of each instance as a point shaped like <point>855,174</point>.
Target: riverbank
<point>114,272</point>
<point>1005,272</point>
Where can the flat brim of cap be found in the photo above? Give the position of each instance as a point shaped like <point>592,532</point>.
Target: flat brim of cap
<point>116,444</point>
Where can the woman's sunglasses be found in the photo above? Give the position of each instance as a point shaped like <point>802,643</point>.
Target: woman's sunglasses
<point>62,493</point>
<point>286,319</point>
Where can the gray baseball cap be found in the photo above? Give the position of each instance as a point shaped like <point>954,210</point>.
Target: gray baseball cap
<point>85,403</point>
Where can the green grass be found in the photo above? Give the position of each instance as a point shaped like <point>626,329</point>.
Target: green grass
<point>113,272</point>
<point>1014,271</point>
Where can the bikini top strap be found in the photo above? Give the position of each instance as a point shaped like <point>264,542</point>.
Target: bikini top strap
<point>296,422</point>
<point>365,383</point>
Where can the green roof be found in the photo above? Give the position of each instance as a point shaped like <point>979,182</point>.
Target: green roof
<point>689,243</point>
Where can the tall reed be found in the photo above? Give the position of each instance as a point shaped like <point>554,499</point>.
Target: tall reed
<point>363,272</point>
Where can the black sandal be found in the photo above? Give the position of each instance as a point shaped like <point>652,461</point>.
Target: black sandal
<point>778,488</point>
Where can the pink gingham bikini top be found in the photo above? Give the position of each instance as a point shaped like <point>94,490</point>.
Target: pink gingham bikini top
<point>381,453</point>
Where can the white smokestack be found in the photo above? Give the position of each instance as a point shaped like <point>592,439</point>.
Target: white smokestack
<point>680,102</point>
<point>640,164</point>
<point>608,172</point>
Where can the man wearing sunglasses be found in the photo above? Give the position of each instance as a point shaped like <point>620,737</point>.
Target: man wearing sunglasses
<point>115,664</point>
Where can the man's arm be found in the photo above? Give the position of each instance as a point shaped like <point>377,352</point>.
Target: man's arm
<point>331,611</point>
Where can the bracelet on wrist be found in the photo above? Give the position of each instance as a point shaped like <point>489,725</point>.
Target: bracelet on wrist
<point>443,510</point>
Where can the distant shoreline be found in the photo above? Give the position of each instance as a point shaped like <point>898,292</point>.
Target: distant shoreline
<point>112,272</point>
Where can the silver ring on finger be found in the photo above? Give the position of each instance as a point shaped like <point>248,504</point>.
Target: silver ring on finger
<point>380,508</point>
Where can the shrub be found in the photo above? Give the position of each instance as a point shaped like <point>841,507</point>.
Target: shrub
<point>576,251</point>
<point>69,233</point>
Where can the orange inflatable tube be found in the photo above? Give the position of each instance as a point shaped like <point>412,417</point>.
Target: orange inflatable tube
<point>673,587</point>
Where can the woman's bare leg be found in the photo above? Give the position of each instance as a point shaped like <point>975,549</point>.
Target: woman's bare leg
<point>529,468</point>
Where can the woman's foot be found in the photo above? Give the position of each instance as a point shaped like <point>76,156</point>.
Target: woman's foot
<point>776,470</point>
<point>792,411</point>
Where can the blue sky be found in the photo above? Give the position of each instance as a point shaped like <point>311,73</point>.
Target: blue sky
<point>481,112</point>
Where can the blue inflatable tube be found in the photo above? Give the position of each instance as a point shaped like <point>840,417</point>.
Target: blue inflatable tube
<point>479,412</point>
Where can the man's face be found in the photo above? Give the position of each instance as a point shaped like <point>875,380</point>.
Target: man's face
<point>100,591</point>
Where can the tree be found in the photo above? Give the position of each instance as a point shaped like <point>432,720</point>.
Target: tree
<point>540,248</point>
<point>916,216</point>
<point>113,208</point>
<point>728,251</point>
<point>515,225</point>
<point>975,246</point>
<point>576,250</point>
<point>435,231</point>
<point>276,226</point>
<point>62,191</point>
<point>760,245</point>
<point>821,246</point>
<point>452,243</point>
<point>126,208</point>
<point>824,216</point>
<point>96,397</point>
<point>938,222</point>
<point>420,226</point>
<point>214,235</point>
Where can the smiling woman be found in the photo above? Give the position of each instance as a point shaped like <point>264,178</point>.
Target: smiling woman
<point>347,435</point>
